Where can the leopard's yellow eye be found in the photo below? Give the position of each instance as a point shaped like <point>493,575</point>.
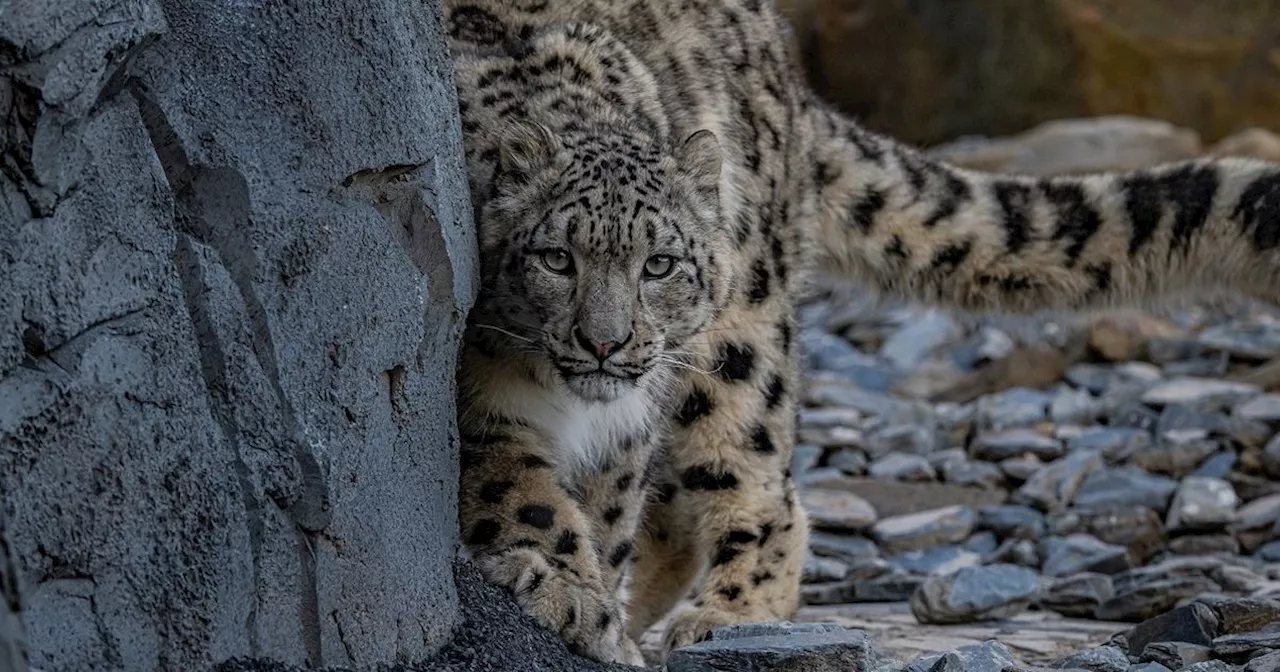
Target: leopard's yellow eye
<point>557,261</point>
<point>659,266</point>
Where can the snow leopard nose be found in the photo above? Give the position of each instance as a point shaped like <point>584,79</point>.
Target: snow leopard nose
<point>602,348</point>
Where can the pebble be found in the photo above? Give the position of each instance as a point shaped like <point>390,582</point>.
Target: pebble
<point>988,656</point>
<point>1053,487</point>
<point>1082,553</point>
<point>1263,408</point>
<point>1012,521</point>
<point>902,467</point>
<point>818,569</point>
<point>1202,503</point>
<point>915,531</point>
<point>819,651</point>
<point>1001,445</point>
<point>1100,659</point>
<point>1125,487</point>
<point>975,594</point>
<point>1017,407</point>
<point>1202,392</point>
<point>836,509</point>
<point>844,547</point>
<point>1078,595</point>
<point>849,461</point>
<point>907,347</point>
<point>1115,444</point>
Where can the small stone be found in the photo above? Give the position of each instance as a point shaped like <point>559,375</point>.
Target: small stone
<point>1204,544</point>
<point>1255,143</point>
<point>1012,521</point>
<point>909,439</point>
<point>1218,465</point>
<point>988,656</point>
<point>1269,552</point>
<point>1074,406</point>
<point>1001,445</point>
<point>1246,614</point>
<point>1244,340</point>
<point>1100,659</point>
<point>1078,595</point>
<point>1271,457</point>
<point>1201,392</point>
<point>1210,666</point>
<point>1015,407</point>
<point>817,651</point>
<point>1053,487</point>
<point>1115,444</point>
<point>936,527</point>
<point>844,547</point>
<point>907,347</point>
<point>973,474</point>
<point>849,461</point>
<point>1269,662</point>
<point>902,467</point>
<point>1122,335</point>
<point>1125,486</point>
<point>805,456</point>
<point>1015,552</point>
<point>1194,623</point>
<point>1264,408</point>
<point>772,628</point>
<point>820,569</point>
<point>1202,504</point>
<point>836,509</point>
<point>833,437</point>
<point>1148,667</point>
<point>1082,553</point>
<point>1020,469</point>
<point>1144,600</point>
<point>829,353</point>
<point>941,560</point>
<point>975,594</point>
<point>1230,646</point>
<point>828,417</point>
<point>1137,528</point>
<point>982,543</point>
<point>1176,655</point>
<point>1094,378</point>
<point>1177,454</point>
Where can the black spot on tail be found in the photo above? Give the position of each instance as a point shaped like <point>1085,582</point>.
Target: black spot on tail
<point>1192,190</point>
<point>1142,203</point>
<point>1259,211</point>
<point>1077,220</point>
<point>484,532</point>
<point>730,592</point>
<point>612,514</point>
<point>759,282</point>
<point>1015,202</point>
<point>567,543</point>
<point>760,441</point>
<point>493,491</point>
<point>620,554</point>
<point>866,209</point>
<point>955,192</point>
<point>946,260</point>
<point>773,393</point>
<point>540,516</point>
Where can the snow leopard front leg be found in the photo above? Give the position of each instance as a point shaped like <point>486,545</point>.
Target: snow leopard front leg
<point>729,501</point>
<point>534,537</point>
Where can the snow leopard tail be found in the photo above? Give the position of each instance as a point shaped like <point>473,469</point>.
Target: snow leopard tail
<point>916,228</point>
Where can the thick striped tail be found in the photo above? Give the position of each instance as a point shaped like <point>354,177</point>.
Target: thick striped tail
<point>922,230</point>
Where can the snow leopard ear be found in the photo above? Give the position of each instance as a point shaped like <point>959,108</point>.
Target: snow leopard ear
<point>525,146</point>
<point>699,158</point>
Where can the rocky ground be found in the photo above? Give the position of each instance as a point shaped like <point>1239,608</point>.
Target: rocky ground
<point>1095,492</point>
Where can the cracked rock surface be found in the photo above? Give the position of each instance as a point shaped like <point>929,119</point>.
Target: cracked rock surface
<point>236,253</point>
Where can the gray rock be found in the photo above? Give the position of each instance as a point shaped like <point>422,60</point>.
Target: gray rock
<point>837,509</point>
<point>839,651</point>
<point>1138,529</point>
<point>773,629</point>
<point>833,354</point>
<point>849,461</point>
<point>1270,552</point>
<point>989,656</point>
<point>909,439</point>
<point>1148,667</point>
<point>1074,407</point>
<point>1020,469</point>
<point>1230,646</point>
<point>1200,392</point>
<point>1094,378</point>
<point>914,531</point>
<point>1078,595</point>
<point>973,474</point>
<point>806,456</point>
<point>1202,504</point>
<point>1193,623</point>
<point>1054,487</point>
<point>1100,659</point>
<point>940,560</point>
<point>1115,444</point>
<point>232,330</point>
<point>1125,487</point>
<point>908,346</point>
<point>1177,453</point>
<point>820,569</point>
<point>1016,407</point>
<point>1268,662</point>
<point>1140,601</point>
<point>1012,521</point>
<point>829,392</point>
<point>1082,553</point>
<point>975,594</point>
<point>982,542</point>
<point>1264,408</point>
<point>1001,445</point>
<point>894,587</point>
<point>844,547</point>
<point>1243,339</point>
<point>1015,552</point>
<point>833,437</point>
<point>1176,655</point>
<point>1271,457</point>
<point>902,467</point>
<point>828,417</point>
<point>1218,465</point>
<point>1210,666</point>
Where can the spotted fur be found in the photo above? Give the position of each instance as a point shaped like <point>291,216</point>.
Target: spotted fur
<point>652,180</point>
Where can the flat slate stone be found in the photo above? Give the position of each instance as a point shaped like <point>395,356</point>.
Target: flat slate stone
<point>832,651</point>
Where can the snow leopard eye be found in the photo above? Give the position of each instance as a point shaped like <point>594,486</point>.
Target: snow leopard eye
<point>557,261</point>
<point>659,266</point>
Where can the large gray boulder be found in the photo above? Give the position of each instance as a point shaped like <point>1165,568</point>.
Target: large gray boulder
<point>236,254</point>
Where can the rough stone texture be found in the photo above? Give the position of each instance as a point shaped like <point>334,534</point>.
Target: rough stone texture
<point>810,651</point>
<point>13,655</point>
<point>236,253</point>
<point>932,71</point>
